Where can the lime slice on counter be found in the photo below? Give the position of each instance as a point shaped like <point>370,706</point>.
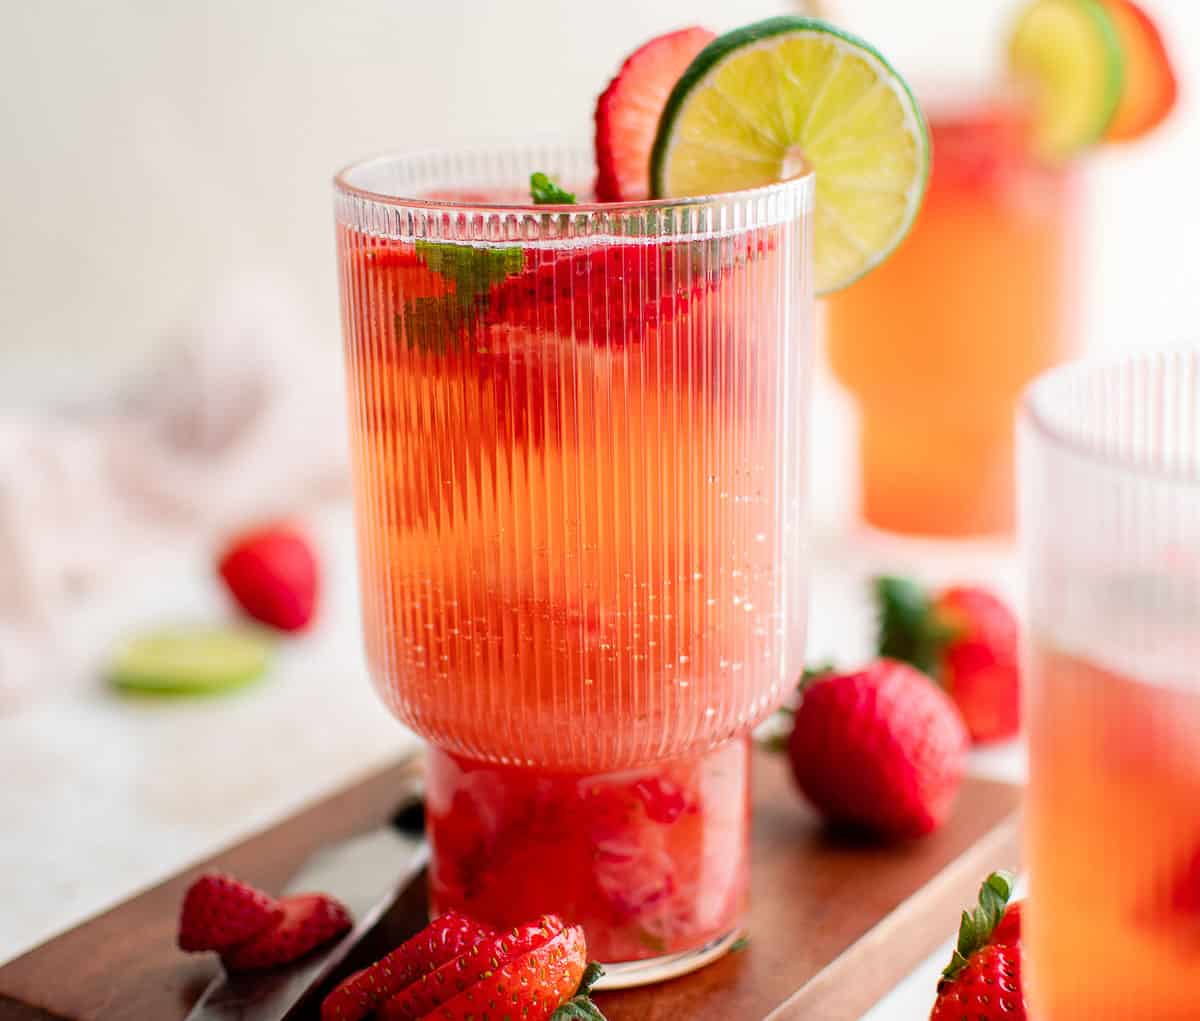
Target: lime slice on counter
<point>1069,52</point>
<point>188,661</point>
<point>786,95</point>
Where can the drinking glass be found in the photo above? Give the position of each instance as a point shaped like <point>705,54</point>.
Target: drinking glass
<point>578,439</point>
<point>937,344</point>
<point>1110,521</point>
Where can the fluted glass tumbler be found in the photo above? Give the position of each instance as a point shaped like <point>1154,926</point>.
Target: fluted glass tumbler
<point>579,443</point>
<point>1110,521</point>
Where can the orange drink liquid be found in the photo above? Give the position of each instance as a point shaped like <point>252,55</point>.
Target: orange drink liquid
<point>577,476</point>
<point>1113,830</point>
<point>1110,530</point>
<point>936,344</point>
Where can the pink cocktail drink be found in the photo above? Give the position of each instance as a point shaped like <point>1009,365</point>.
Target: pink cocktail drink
<point>577,440</point>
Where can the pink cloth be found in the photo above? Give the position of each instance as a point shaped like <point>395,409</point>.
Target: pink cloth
<point>241,418</point>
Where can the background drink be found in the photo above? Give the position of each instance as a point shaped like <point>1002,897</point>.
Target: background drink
<point>578,454</point>
<point>937,344</point>
<point>1114,824</point>
<point>1111,524</point>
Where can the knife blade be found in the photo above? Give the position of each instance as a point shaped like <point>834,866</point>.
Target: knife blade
<point>366,873</point>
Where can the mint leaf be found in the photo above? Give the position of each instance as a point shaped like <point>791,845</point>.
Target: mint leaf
<point>436,325</point>
<point>473,269</point>
<point>546,193</point>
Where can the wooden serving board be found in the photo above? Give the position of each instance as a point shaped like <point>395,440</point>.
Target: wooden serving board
<point>834,924</point>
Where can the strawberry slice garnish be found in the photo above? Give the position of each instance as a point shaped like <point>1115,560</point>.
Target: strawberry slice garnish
<point>1151,89</point>
<point>273,574</point>
<point>444,939</point>
<point>309,920</point>
<point>219,912</point>
<point>966,639</point>
<point>983,979</point>
<point>483,958</point>
<point>531,987</point>
<point>628,110</point>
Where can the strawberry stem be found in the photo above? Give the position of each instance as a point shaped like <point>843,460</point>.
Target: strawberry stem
<point>580,1006</point>
<point>909,628</point>
<point>977,925</point>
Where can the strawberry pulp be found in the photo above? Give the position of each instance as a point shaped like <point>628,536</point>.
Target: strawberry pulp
<point>649,861</point>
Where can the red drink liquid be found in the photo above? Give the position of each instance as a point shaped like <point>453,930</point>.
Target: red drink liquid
<point>581,544</point>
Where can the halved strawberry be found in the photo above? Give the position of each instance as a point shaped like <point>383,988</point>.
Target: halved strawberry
<point>444,939</point>
<point>309,920</point>
<point>219,912</point>
<point>628,110</point>
<point>1151,88</point>
<point>610,296</point>
<point>531,987</point>
<point>433,989</point>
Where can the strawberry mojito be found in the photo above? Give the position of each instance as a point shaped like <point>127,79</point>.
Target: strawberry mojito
<point>579,433</point>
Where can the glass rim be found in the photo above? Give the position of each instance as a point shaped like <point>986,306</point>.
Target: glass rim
<point>1036,415</point>
<point>804,182</point>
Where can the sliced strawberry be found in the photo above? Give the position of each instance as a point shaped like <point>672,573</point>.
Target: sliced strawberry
<point>531,987</point>
<point>219,912</point>
<point>431,990</point>
<point>273,574</point>
<point>610,297</point>
<point>628,110</point>
<point>309,920</point>
<point>1151,89</point>
<point>444,939</point>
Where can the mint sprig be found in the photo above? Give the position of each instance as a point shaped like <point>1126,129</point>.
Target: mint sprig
<point>580,1006</point>
<point>977,925</point>
<point>435,325</point>
<point>546,193</point>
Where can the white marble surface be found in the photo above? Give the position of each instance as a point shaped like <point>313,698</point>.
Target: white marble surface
<point>102,796</point>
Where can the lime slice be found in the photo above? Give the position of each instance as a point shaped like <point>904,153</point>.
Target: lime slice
<point>190,660</point>
<point>772,100</point>
<point>1070,54</point>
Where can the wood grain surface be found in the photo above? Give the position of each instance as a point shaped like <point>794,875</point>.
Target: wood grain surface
<point>833,925</point>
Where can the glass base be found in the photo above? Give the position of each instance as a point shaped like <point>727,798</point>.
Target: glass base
<point>627,974</point>
<point>652,861</point>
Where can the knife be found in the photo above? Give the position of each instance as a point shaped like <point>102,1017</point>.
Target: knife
<point>366,873</point>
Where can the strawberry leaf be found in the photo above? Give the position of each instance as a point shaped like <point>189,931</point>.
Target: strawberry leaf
<point>580,1007</point>
<point>909,629</point>
<point>977,925</point>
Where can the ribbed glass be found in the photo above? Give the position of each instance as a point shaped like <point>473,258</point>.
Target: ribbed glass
<point>1110,508</point>
<point>579,451</point>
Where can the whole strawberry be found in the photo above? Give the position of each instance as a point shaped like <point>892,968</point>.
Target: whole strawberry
<point>273,574</point>
<point>882,750</point>
<point>966,639</point>
<point>983,979</point>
